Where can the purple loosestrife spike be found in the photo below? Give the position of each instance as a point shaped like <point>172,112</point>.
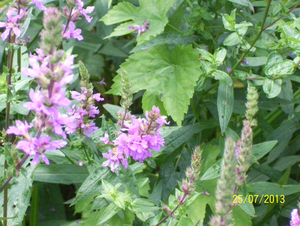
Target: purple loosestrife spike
<point>251,105</point>
<point>225,187</point>
<point>295,219</point>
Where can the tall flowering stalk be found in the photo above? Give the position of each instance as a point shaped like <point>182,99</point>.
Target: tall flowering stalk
<point>225,187</point>
<point>53,70</point>
<point>137,136</point>
<point>188,185</point>
<point>86,109</point>
<point>244,146</point>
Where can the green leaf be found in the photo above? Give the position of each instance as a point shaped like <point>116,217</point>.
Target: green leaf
<point>173,77</point>
<point>260,150</point>
<point>242,27</point>
<point>108,213</point>
<point>169,38</point>
<point>282,68</point>
<point>267,188</point>
<point>244,3</point>
<point>205,54</point>
<point>222,76</point>
<point>151,11</point>
<point>229,20</point>
<point>61,174</point>
<point>293,37</point>
<point>150,99</point>
<point>225,104</point>
<point>127,177</point>
<point>219,55</point>
<point>241,218</point>
<point>213,172</point>
<point>272,87</point>
<point>232,39</point>
<point>91,187</point>
<point>113,110</point>
<point>273,58</point>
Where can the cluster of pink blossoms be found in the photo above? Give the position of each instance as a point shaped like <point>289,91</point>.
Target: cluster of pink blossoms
<point>295,219</point>
<point>141,136</point>
<point>12,25</point>
<point>85,111</point>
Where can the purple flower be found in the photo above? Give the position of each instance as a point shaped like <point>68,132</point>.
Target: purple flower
<point>97,97</point>
<point>84,12</point>
<point>295,220</point>
<point>37,102</point>
<point>39,4</point>
<point>114,157</point>
<point>79,96</point>
<point>59,99</point>
<point>88,128</point>
<point>12,22</point>
<point>245,61</point>
<point>72,32</point>
<point>21,129</point>
<point>105,139</point>
<point>141,29</point>
<point>93,111</point>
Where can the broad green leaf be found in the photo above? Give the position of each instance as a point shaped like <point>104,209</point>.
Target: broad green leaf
<point>232,39</point>
<point>151,11</point>
<point>143,205</point>
<point>241,218</point>
<point>108,213</point>
<point>213,172</point>
<point>259,150</point>
<point>256,61</point>
<point>242,27</point>
<point>169,38</point>
<point>282,68</point>
<point>19,194</point>
<point>267,188</point>
<point>127,177</point>
<point>113,110</point>
<point>229,20</point>
<point>293,36</point>
<point>272,87</point>
<point>225,104</point>
<point>150,99</point>
<point>144,186</point>
<point>205,54</point>
<point>91,188</point>
<point>222,76</point>
<point>172,77</point>
<point>220,55</point>
<point>273,58</point>
<point>197,213</point>
<point>240,74</point>
<point>61,174</point>
<point>244,3</point>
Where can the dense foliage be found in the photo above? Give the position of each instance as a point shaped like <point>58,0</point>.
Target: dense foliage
<point>149,112</point>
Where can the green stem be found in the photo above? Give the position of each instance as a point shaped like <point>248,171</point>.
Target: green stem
<point>34,206</point>
<point>255,40</point>
<point>281,16</point>
<point>194,110</point>
<point>176,29</point>
<point>85,151</point>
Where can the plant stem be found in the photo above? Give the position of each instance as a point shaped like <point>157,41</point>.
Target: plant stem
<point>281,16</point>
<point>84,149</point>
<point>255,40</point>
<point>34,206</point>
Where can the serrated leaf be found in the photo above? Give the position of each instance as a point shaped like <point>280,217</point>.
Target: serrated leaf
<point>172,77</point>
<point>151,11</point>
<point>61,174</point>
<point>170,38</point>
<point>272,87</point>
<point>213,172</point>
<point>267,188</point>
<point>225,104</point>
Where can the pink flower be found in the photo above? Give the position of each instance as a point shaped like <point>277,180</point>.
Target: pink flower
<point>97,97</point>
<point>39,4</point>
<point>84,12</point>
<point>72,32</point>
<point>114,157</point>
<point>105,139</point>
<point>37,102</point>
<point>20,130</point>
<point>12,22</point>
<point>295,220</point>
